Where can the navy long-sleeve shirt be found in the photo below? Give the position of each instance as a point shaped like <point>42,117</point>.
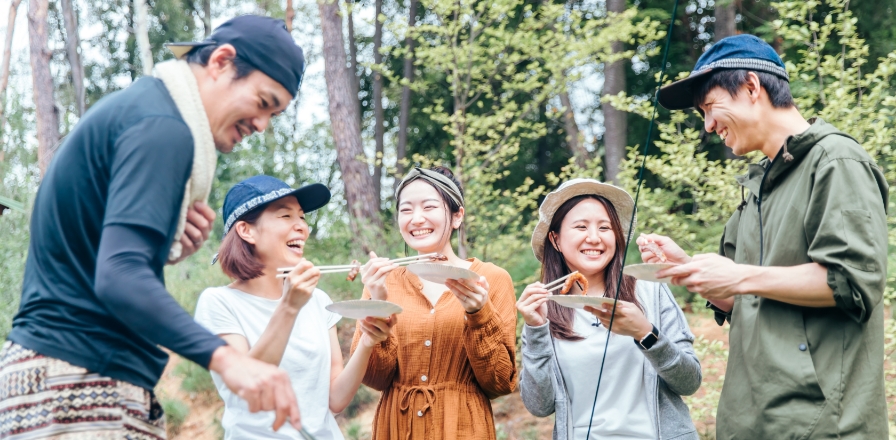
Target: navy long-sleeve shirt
<point>103,222</point>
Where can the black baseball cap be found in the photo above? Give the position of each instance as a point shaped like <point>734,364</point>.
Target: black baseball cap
<point>263,42</point>
<point>744,51</point>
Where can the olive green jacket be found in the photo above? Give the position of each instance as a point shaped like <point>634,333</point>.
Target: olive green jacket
<point>800,372</point>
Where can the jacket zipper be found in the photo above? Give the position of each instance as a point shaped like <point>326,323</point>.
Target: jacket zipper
<point>759,207</point>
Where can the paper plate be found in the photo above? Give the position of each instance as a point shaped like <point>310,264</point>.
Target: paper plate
<point>439,273</point>
<point>647,271</point>
<point>580,301</point>
<point>360,308</point>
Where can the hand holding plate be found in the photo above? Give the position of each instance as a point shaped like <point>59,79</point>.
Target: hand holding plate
<point>629,320</point>
<point>472,294</point>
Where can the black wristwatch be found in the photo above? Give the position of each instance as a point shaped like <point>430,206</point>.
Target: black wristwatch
<point>647,341</point>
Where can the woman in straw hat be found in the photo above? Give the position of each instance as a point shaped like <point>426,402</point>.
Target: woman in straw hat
<point>453,348</point>
<point>650,361</point>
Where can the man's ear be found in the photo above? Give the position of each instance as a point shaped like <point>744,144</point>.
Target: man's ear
<point>245,231</point>
<point>220,60</point>
<point>753,86</point>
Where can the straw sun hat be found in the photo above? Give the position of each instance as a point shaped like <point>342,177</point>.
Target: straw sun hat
<point>620,199</point>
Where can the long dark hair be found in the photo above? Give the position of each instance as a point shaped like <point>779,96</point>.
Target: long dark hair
<point>554,266</point>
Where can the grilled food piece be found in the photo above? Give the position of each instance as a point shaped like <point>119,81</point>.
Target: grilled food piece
<point>653,247</point>
<point>575,279</point>
<point>352,274</point>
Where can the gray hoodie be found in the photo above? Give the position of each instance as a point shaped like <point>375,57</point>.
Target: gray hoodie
<point>671,369</point>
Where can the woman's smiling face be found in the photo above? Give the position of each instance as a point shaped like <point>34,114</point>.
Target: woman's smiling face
<point>280,233</point>
<point>586,238</point>
<point>423,218</point>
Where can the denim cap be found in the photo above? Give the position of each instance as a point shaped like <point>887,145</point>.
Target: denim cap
<point>256,192</point>
<point>263,42</point>
<point>745,51</point>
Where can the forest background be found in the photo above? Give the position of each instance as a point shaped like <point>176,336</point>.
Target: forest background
<point>514,95</point>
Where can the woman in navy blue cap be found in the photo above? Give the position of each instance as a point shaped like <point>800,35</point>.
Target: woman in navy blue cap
<point>284,323</point>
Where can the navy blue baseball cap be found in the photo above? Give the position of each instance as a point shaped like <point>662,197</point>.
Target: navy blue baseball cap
<point>257,191</point>
<point>263,42</point>
<point>744,51</point>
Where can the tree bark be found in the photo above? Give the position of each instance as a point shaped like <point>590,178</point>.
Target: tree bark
<point>290,15</point>
<point>363,205</point>
<point>72,48</point>
<point>573,138</point>
<point>726,26</point>
<point>404,116</point>
<point>42,78</point>
<point>353,55</point>
<point>615,121</point>
<point>7,50</point>
<point>142,34</point>
<point>207,17</point>
<point>378,117</point>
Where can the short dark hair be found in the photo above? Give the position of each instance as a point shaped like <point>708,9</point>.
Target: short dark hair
<point>237,257</point>
<point>200,55</point>
<point>778,88</point>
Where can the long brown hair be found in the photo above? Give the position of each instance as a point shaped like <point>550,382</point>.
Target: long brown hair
<point>554,266</point>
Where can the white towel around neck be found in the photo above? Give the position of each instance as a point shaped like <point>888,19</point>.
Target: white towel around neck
<point>181,83</point>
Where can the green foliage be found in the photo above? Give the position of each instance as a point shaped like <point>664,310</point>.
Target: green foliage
<point>195,379</point>
<point>13,251</point>
<point>176,412</point>
<point>365,396</point>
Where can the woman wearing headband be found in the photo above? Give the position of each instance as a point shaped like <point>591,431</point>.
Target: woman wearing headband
<point>453,348</point>
<point>282,322</point>
<point>649,362</point>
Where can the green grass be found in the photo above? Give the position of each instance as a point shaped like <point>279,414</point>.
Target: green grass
<point>176,412</point>
<point>195,378</point>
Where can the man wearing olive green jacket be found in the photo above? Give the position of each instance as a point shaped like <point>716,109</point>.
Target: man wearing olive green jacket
<point>803,260</point>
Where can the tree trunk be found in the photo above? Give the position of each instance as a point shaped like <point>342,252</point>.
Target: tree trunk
<point>7,51</point>
<point>353,55</point>
<point>726,26</point>
<point>142,34</point>
<point>72,48</point>
<point>290,15</point>
<point>573,138</point>
<point>615,121</point>
<point>207,17</point>
<point>378,117</point>
<point>405,105</point>
<point>44,104</point>
<point>363,205</point>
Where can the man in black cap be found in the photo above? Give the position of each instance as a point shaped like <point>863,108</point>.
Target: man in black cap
<point>83,356</point>
<point>801,267</point>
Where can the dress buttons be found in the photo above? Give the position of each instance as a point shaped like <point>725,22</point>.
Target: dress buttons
<point>432,311</point>
<point>427,343</point>
<point>423,378</point>
<point>419,413</point>
<point>802,347</point>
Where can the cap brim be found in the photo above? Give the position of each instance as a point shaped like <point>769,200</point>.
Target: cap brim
<point>181,49</point>
<point>680,94</point>
<point>312,197</point>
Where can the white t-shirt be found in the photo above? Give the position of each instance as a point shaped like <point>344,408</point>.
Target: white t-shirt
<point>621,411</point>
<point>224,310</point>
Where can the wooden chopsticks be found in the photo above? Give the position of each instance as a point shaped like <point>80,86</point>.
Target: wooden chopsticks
<point>349,267</point>
<point>553,285</point>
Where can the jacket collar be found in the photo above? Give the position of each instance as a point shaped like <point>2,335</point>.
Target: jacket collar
<point>794,150</point>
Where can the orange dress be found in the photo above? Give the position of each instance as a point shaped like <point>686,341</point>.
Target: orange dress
<point>441,365</point>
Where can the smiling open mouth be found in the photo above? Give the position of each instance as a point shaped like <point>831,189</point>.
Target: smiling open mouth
<point>295,244</point>
<point>421,232</point>
<point>592,252</point>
